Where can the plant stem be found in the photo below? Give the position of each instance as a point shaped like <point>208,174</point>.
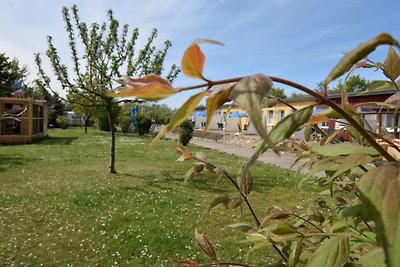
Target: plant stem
<point>307,221</point>
<point>248,205</point>
<point>238,188</point>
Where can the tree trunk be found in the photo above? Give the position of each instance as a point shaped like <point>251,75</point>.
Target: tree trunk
<point>112,133</point>
<point>87,118</point>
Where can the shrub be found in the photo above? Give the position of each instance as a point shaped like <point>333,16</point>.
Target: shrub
<point>62,121</point>
<point>185,132</point>
<point>102,120</point>
<point>124,122</point>
<point>142,124</point>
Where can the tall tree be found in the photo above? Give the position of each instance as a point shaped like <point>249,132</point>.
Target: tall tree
<point>278,92</point>
<point>106,54</point>
<point>353,83</point>
<point>10,72</point>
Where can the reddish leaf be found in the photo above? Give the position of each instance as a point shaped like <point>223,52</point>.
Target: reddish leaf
<point>230,202</point>
<point>205,245</point>
<point>152,91</point>
<point>195,170</point>
<point>137,82</point>
<point>318,119</point>
<point>393,99</point>
<point>184,154</point>
<point>150,87</point>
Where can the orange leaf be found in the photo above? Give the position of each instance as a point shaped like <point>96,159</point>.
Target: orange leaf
<point>193,62</point>
<point>151,91</point>
<point>215,101</point>
<point>184,154</point>
<point>318,119</point>
<point>193,59</point>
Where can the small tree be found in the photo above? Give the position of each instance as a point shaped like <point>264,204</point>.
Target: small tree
<point>142,123</point>
<point>62,121</point>
<point>107,53</point>
<point>185,132</point>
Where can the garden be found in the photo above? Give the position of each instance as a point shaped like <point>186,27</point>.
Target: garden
<point>60,207</point>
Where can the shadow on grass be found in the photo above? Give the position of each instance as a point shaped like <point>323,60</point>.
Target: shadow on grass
<point>13,161</point>
<point>51,140</point>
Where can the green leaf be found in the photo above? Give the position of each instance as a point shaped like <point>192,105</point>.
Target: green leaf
<point>260,245</point>
<point>374,258</point>
<point>380,192</point>
<point>290,124</point>
<point>179,117</point>
<point>392,65</point>
<point>214,101</point>
<point>351,161</point>
<point>284,229</point>
<point>330,113</point>
<point>296,250</point>
<point>330,150</point>
<point>355,55</point>
<point>249,93</point>
<point>245,227</point>
<point>230,202</point>
<point>354,211</point>
<point>379,85</point>
<point>326,164</point>
<point>333,252</point>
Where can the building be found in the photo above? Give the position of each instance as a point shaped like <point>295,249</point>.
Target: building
<point>369,104</point>
<point>22,120</point>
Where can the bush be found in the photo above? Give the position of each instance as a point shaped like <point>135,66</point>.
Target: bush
<point>102,120</point>
<point>185,132</point>
<point>62,121</point>
<point>142,124</point>
<point>124,122</point>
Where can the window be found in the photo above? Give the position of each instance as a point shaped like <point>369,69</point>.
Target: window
<point>270,118</point>
<point>281,114</point>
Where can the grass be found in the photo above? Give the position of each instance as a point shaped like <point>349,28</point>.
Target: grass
<point>59,206</point>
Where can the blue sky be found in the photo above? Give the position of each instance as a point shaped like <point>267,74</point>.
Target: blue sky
<point>297,40</point>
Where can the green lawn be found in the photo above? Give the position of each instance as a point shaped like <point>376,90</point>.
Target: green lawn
<point>59,206</point>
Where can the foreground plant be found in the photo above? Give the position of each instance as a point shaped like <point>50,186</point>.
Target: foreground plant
<point>360,226</point>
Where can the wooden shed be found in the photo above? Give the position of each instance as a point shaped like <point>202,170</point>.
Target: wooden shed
<point>22,120</point>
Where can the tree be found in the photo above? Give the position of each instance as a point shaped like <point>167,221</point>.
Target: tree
<point>10,72</point>
<point>106,54</point>
<point>353,83</point>
<point>278,92</point>
<point>56,106</point>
